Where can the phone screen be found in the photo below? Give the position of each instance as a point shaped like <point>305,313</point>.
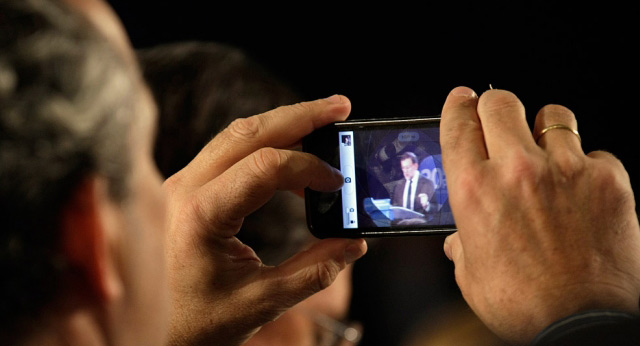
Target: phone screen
<point>394,181</point>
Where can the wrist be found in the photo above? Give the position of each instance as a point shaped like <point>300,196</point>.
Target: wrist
<point>536,313</point>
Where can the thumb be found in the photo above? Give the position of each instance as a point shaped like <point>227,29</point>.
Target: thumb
<point>453,248</point>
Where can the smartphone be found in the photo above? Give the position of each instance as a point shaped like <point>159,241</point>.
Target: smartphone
<point>394,183</point>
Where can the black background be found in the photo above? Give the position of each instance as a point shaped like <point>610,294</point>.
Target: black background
<point>395,59</point>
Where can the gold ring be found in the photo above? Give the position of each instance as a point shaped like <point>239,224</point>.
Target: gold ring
<point>558,127</point>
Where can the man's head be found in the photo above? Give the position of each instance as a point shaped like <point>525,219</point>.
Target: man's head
<point>408,164</point>
<point>78,190</point>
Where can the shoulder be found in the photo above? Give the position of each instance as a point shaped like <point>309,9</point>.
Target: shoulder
<point>423,180</point>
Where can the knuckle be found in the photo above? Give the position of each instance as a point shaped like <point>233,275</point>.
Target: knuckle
<point>245,128</point>
<point>568,165</point>
<point>196,210</point>
<point>607,159</point>
<point>612,183</point>
<point>326,273</point>
<point>470,181</point>
<point>503,102</point>
<point>173,184</point>
<point>615,177</point>
<point>557,112</point>
<point>209,214</point>
<point>267,161</point>
<point>467,188</point>
<point>454,132</point>
<point>523,171</point>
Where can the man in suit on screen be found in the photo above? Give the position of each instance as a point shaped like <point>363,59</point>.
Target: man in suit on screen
<point>414,191</point>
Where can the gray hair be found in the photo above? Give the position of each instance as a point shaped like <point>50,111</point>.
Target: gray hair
<point>66,105</point>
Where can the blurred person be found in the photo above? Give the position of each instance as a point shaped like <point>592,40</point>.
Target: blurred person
<point>200,88</point>
<point>95,249</point>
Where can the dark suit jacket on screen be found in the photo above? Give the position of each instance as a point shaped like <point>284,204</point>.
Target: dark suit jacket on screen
<point>424,186</point>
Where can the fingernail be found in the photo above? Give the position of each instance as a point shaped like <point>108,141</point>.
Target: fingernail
<point>335,99</point>
<point>463,91</point>
<point>353,251</point>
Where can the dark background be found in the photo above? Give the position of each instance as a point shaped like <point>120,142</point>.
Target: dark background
<point>394,59</point>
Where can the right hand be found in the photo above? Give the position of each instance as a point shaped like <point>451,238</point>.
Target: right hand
<point>544,231</point>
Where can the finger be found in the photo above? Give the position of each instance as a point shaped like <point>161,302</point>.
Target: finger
<point>279,128</point>
<point>557,139</point>
<point>273,290</point>
<point>250,183</point>
<point>606,156</point>
<point>461,132</point>
<point>454,250</point>
<point>607,162</point>
<point>503,123</point>
<point>453,247</point>
<point>313,270</point>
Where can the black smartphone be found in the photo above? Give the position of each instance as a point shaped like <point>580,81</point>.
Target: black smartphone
<point>394,183</point>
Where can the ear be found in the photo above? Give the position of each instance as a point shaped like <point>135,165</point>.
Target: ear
<point>90,222</point>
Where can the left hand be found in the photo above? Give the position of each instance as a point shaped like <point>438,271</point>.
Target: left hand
<point>221,291</point>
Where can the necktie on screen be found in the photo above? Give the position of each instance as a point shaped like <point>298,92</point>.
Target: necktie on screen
<point>408,201</point>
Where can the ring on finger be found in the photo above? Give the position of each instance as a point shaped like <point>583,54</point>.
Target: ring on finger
<point>557,127</point>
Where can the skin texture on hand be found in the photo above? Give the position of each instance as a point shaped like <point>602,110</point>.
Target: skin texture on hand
<point>221,291</point>
<point>544,231</point>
